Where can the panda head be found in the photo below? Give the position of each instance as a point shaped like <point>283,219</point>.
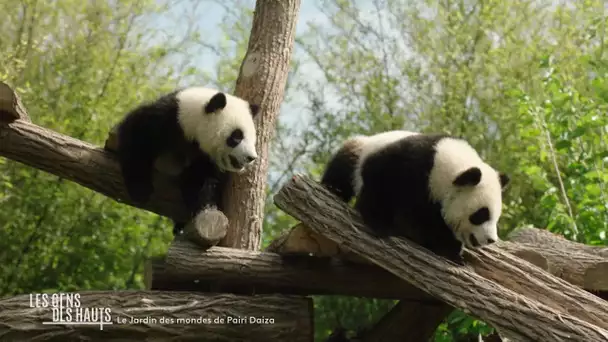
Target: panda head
<point>221,124</point>
<point>470,192</point>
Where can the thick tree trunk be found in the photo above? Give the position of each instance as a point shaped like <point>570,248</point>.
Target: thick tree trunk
<point>168,312</point>
<point>517,297</point>
<point>261,80</point>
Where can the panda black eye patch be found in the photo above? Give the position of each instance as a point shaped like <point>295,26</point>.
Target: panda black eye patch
<point>480,216</point>
<point>235,138</point>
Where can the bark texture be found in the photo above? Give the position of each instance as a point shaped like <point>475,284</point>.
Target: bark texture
<point>515,296</point>
<point>188,268</point>
<point>261,80</point>
<point>292,318</point>
<point>576,266</point>
<point>546,239</point>
<point>83,163</point>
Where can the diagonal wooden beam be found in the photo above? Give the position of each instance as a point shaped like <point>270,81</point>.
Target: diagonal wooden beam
<point>514,296</point>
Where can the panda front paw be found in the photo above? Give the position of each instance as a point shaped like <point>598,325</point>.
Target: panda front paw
<point>458,260</point>
<point>139,192</point>
<point>208,194</point>
<point>178,228</point>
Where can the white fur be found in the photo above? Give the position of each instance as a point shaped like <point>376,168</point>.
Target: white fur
<point>453,156</point>
<point>371,144</point>
<point>212,130</point>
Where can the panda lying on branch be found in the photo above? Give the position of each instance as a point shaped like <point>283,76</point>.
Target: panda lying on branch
<point>197,134</point>
<point>433,189</point>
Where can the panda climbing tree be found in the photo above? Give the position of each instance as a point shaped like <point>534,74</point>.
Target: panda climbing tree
<point>197,134</point>
<point>430,188</point>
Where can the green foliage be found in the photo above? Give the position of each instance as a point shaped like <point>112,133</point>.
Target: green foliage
<point>362,313</point>
<point>78,68</point>
<point>567,145</point>
<point>510,77</point>
<point>526,82</point>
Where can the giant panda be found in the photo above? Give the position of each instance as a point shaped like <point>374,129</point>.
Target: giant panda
<point>197,134</point>
<point>433,189</point>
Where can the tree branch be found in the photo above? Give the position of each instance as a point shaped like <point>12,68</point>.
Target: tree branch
<point>571,264</point>
<point>547,240</point>
<point>83,163</point>
<point>516,296</point>
<point>189,268</point>
<point>588,271</point>
<point>292,318</point>
<point>261,80</point>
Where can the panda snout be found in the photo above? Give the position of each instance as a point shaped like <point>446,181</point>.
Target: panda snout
<point>478,241</point>
<point>473,240</point>
<point>240,161</point>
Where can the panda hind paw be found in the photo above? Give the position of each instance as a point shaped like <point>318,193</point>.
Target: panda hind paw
<point>140,192</point>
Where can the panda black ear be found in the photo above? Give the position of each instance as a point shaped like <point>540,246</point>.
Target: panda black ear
<point>217,102</point>
<point>469,177</point>
<point>254,108</point>
<point>504,180</point>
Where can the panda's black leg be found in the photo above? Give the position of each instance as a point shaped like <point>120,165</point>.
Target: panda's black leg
<point>443,243</point>
<point>200,186</point>
<point>137,171</point>
<point>178,228</point>
<point>378,218</point>
<point>141,139</point>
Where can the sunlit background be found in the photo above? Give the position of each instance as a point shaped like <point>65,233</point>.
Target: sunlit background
<point>524,81</point>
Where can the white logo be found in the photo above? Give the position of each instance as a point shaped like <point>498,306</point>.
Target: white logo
<point>67,310</point>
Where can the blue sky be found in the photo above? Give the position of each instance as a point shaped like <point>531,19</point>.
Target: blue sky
<point>309,12</point>
<point>208,15</point>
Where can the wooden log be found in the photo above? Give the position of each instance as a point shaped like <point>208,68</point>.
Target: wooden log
<point>566,313</point>
<point>572,264</point>
<point>207,228</point>
<point>190,268</point>
<point>83,163</point>
<point>576,267</point>
<point>261,80</point>
<point>414,319</point>
<point>301,240</point>
<point>172,316</point>
<point>547,240</point>
<point>153,265</point>
<point>94,168</point>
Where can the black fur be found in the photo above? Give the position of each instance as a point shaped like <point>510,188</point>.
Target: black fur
<point>395,198</point>
<point>338,335</point>
<point>217,102</point>
<point>480,216</point>
<point>470,177</point>
<point>152,129</point>
<point>339,172</point>
<point>504,180</point>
